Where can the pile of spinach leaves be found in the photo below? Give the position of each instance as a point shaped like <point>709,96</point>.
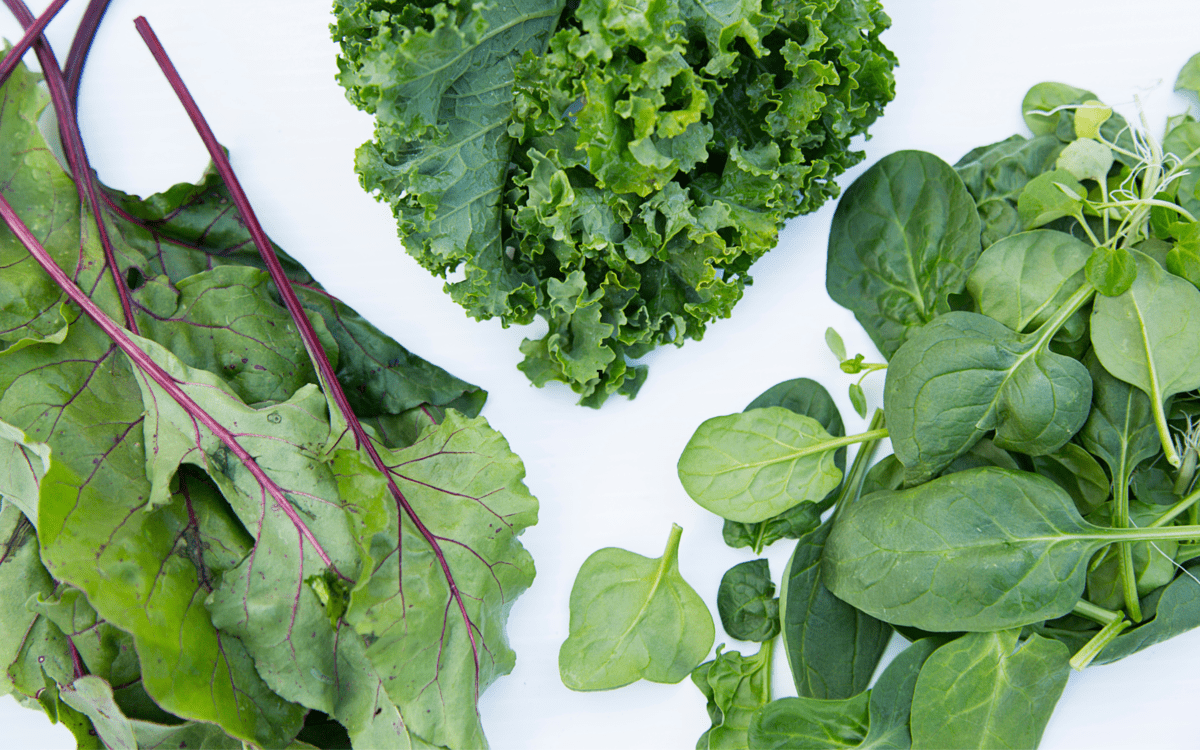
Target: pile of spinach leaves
<point>612,167</point>
<point>1038,305</point>
<point>232,512</point>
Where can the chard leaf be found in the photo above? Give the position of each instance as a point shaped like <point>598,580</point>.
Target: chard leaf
<point>23,463</point>
<point>832,648</point>
<point>1034,399</point>
<point>977,550</point>
<point>904,237</point>
<point>735,686</point>
<point>633,618</point>
<point>751,466</point>
<point>983,690</point>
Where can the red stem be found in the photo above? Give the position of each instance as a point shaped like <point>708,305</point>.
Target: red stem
<point>307,332</point>
<point>32,34</point>
<point>76,154</point>
<point>143,361</point>
<point>81,45</point>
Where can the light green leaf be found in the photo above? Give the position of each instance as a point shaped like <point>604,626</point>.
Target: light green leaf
<point>23,463</point>
<point>93,697</point>
<point>1111,270</point>
<point>811,722</point>
<point>1088,119</point>
<point>751,466</point>
<point>1044,98</point>
<point>1086,159</point>
<point>735,686</point>
<point>633,618</point>
<point>985,691</point>
<point>1189,76</point>
<point>1023,279</point>
<point>1050,196</point>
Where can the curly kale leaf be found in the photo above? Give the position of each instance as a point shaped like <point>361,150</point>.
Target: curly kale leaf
<point>614,170</point>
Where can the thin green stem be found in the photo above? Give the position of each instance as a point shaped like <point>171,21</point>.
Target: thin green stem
<point>862,462</point>
<point>1096,613</point>
<point>1104,214</point>
<point>1145,202</point>
<point>1092,648</point>
<point>1083,223</point>
<point>1120,520</point>
<point>1175,510</point>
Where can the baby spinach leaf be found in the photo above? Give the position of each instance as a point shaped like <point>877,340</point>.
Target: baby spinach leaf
<point>1074,469</point>
<point>1182,141</point>
<point>751,466</point>
<point>1152,563</point>
<point>892,698</point>
<point>1145,337</point>
<point>1120,427</point>
<point>1085,158</point>
<point>904,237</point>
<point>996,174</point>
<point>983,549</point>
<point>965,374</point>
<point>1022,280</point>
<point>1050,196</point>
<point>1178,611</point>
<point>809,398</point>
<point>832,648</point>
<point>735,686</point>
<point>1183,259</point>
<point>983,690</point>
<point>1042,99</point>
<point>746,602</point>
<point>1111,270</point>
<point>633,618</point>
<point>811,722</point>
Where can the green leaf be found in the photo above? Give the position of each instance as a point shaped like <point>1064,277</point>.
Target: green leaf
<point>1043,98</point>
<point>23,463</point>
<point>746,602</point>
<point>751,466</point>
<point>977,550</point>
<point>1189,76</point>
<point>1074,469</point>
<point>1023,279</point>
<point>859,399</point>
<point>1120,427</point>
<point>1086,159</point>
<point>904,237</point>
<point>1088,120</point>
<point>1183,259</point>
<point>22,577</point>
<point>995,175</point>
<point>809,398</point>
<point>735,686</point>
<point>811,722</point>
<point>983,690</point>
<point>1178,611</point>
<point>1034,399</point>
<point>832,648</point>
<point>633,618</point>
<point>892,698</point>
<point>835,344</point>
<point>1144,336</point>
<point>93,697</point>
<point>1050,196</point>
<point>1182,141</point>
<point>1111,271</point>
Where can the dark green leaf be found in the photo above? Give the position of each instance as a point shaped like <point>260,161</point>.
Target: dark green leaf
<point>1178,611</point>
<point>746,602</point>
<point>833,648</point>
<point>904,238</point>
<point>1022,280</point>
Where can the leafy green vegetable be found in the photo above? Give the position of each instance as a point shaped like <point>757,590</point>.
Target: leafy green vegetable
<point>627,164</point>
<point>746,602</point>
<point>633,618</point>
<point>1033,398</point>
<point>909,200</point>
<point>736,687</point>
<point>217,545</point>
<point>811,722</point>
<point>983,690</point>
<point>832,648</point>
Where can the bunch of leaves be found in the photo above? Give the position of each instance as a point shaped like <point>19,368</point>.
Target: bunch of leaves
<point>1039,308</point>
<point>233,511</point>
<point>614,168</point>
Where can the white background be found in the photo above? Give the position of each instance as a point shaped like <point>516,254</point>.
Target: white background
<point>262,71</point>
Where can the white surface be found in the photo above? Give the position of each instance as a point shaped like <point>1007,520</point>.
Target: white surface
<point>262,72</point>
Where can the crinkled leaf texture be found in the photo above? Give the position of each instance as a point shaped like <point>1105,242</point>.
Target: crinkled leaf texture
<point>139,548</point>
<point>616,169</point>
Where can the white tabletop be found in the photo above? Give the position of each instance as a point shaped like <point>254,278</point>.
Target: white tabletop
<point>263,71</point>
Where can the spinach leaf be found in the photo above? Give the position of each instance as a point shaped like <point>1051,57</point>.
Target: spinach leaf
<point>633,618</point>
<point>751,466</point>
<point>996,174</point>
<point>983,690</point>
<point>811,722</point>
<point>832,648</point>
<point>983,549</point>
<point>1146,337</point>
<point>746,602</point>
<point>1182,141</point>
<point>735,686</point>
<point>1189,76</point>
<point>904,237</point>
<point>1034,399</point>
<point>1074,469</point>
<point>1120,427</point>
<point>892,698</point>
<point>1022,280</point>
<point>809,398</point>
<point>1050,196</point>
<point>1177,611</point>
